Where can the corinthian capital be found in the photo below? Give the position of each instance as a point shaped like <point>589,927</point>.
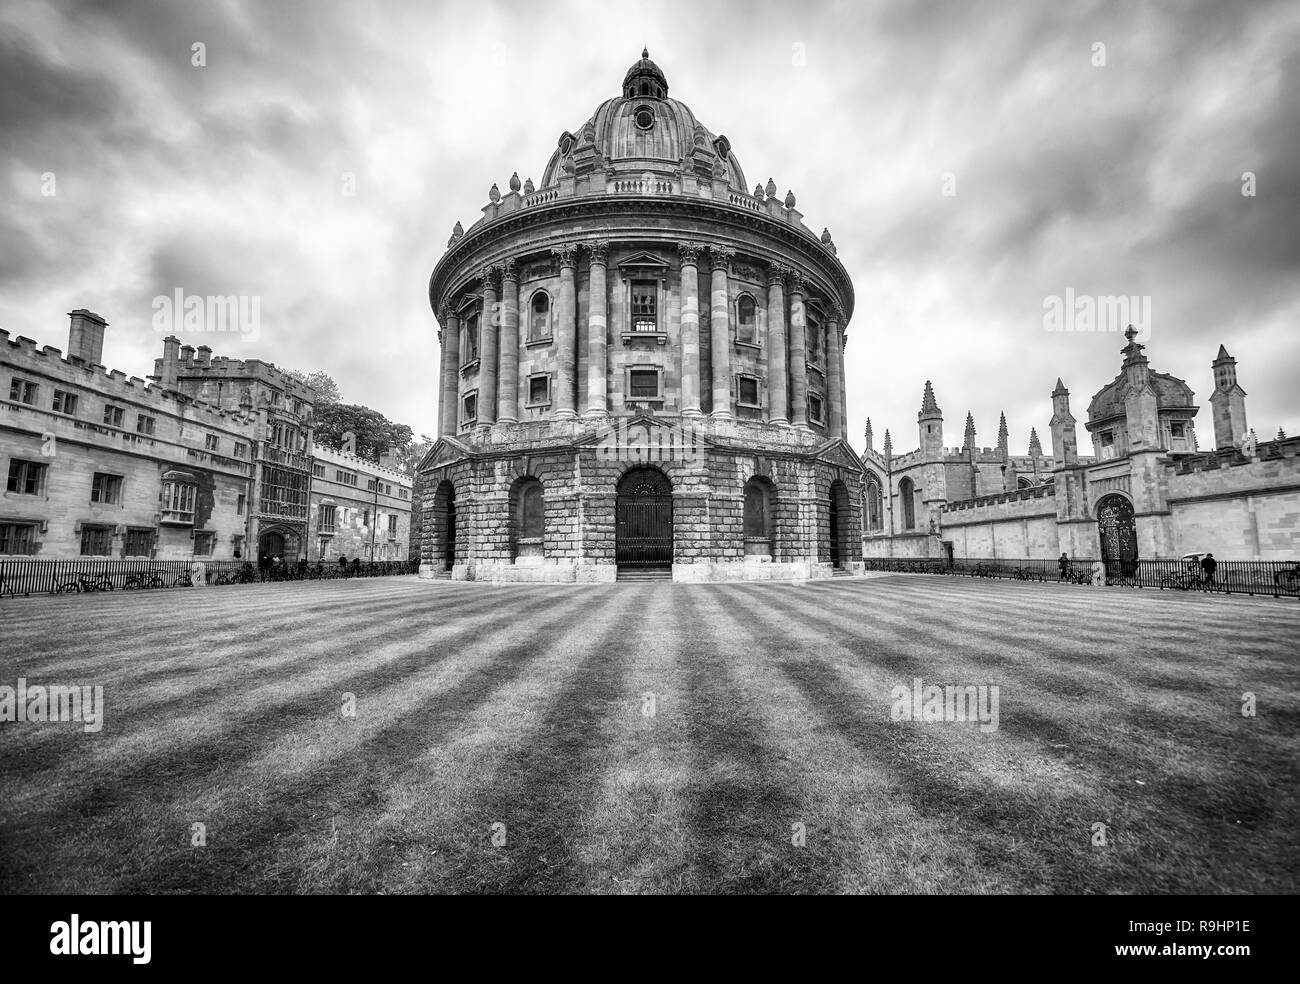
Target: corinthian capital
<point>689,253</point>
<point>599,249</point>
<point>721,257</point>
<point>566,254</point>
<point>776,276</point>
<point>798,282</point>
<point>836,314</point>
<point>508,271</point>
<point>489,273</point>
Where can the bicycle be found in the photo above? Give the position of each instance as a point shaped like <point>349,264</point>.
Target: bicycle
<point>145,581</point>
<point>86,583</point>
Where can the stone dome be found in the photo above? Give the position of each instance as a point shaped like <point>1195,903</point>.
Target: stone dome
<point>643,130</point>
<point>1171,393</point>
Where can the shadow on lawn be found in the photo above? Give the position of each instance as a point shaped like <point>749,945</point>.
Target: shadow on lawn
<point>186,760</point>
<point>258,846</point>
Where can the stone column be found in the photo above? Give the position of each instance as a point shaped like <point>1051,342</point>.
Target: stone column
<point>798,353</point>
<point>450,395</point>
<point>442,379</point>
<point>489,326</point>
<point>508,390</point>
<point>720,326</point>
<point>597,323</point>
<point>566,370</point>
<point>690,258</point>
<point>777,372</point>
<point>844,383</point>
<point>834,413</point>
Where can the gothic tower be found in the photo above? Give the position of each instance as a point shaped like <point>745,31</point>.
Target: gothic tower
<point>1228,402</point>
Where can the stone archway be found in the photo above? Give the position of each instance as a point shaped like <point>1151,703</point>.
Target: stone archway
<point>444,526</point>
<point>1117,530</point>
<point>643,528</point>
<point>838,517</point>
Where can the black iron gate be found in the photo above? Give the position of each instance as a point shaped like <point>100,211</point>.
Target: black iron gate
<point>835,531</point>
<point>450,551</point>
<point>1117,530</point>
<point>644,520</point>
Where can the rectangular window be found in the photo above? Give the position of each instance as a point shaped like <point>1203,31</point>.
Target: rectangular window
<point>113,415</point>
<point>241,450</point>
<point>17,538</point>
<point>96,541</point>
<point>539,390</point>
<point>372,484</point>
<point>145,424</point>
<point>65,402</point>
<point>645,305</point>
<point>326,520</point>
<point>317,471</point>
<point>1107,444</point>
<point>345,478</point>
<point>210,442</point>
<point>203,543</point>
<point>402,493</point>
<point>815,408</point>
<point>178,502</point>
<point>22,391</point>
<point>240,503</point>
<point>747,391</point>
<point>392,526</point>
<point>138,542</point>
<point>365,520</point>
<point>469,348</point>
<point>471,408</point>
<point>26,477</point>
<point>106,489</point>
<point>643,384</point>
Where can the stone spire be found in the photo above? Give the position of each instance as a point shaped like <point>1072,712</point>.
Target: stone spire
<point>968,443</point>
<point>889,446</point>
<point>870,439</point>
<point>928,404</point>
<point>1227,402</point>
<point>1035,445</point>
<point>1003,447</point>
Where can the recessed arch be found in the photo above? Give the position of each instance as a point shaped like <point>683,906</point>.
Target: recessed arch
<point>747,318</point>
<point>759,517</point>
<point>444,526</point>
<point>539,315</point>
<point>527,519</point>
<point>839,516</point>
<point>907,503</point>
<point>643,537</point>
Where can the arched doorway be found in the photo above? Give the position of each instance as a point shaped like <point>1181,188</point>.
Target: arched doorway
<point>277,542</point>
<point>1117,530</point>
<point>643,537</point>
<point>838,515</point>
<point>758,525</point>
<point>444,526</point>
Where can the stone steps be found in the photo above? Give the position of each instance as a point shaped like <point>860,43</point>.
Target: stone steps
<point>638,574</point>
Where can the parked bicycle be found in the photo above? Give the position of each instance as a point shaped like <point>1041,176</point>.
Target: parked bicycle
<point>86,583</point>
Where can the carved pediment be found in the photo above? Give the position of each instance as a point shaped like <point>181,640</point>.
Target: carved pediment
<point>445,451</point>
<point>644,261</point>
<point>646,439</point>
<point>839,454</point>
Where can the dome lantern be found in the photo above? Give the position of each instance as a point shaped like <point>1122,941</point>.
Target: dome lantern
<point>645,80</point>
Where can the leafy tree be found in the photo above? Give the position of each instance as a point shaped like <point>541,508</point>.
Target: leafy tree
<point>374,432</point>
<point>327,391</point>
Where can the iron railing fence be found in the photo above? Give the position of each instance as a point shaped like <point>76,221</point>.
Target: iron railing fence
<point>1278,578</point>
<point>28,575</point>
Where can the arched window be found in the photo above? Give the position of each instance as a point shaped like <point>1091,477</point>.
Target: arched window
<point>539,316</point>
<point>758,518</point>
<point>746,319</point>
<point>907,500</point>
<point>1024,483</point>
<point>875,511</point>
<point>529,508</point>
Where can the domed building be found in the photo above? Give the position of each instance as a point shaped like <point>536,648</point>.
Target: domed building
<point>641,368</point>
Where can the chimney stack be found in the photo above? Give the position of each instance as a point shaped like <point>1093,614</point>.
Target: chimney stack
<point>205,355</point>
<point>187,354</point>
<point>86,336</point>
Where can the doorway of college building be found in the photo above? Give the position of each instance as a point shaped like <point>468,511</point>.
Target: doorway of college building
<point>274,543</point>
<point>1117,530</point>
<point>643,538</point>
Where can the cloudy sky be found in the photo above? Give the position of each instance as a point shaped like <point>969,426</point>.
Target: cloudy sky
<point>1098,148</point>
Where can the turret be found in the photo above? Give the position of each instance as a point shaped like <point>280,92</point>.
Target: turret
<point>1140,406</point>
<point>1065,448</point>
<point>930,424</point>
<point>1227,403</point>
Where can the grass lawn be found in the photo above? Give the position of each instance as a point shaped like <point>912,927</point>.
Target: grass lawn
<point>653,737</point>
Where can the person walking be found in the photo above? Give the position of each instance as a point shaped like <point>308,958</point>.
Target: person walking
<point>1064,563</point>
<point>1208,567</point>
